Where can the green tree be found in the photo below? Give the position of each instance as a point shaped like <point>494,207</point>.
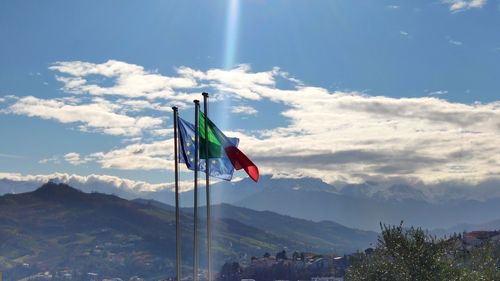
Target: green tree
<point>478,263</point>
<point>411,254</point>
<point>401,254</point>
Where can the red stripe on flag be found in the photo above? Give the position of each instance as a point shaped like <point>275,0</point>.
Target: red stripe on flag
<point>241,161</point>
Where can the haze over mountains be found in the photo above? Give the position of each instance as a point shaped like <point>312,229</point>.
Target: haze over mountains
<point>361,206</point>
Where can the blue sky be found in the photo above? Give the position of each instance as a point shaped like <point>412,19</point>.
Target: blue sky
<point>372,54</point>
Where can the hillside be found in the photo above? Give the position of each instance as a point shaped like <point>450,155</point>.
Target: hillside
<point>318,237</point>
<point>57,227</point>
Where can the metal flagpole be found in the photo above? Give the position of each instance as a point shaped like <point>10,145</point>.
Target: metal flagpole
<point>196,164</point>
<point>207,187</point>
<point>177,212</point>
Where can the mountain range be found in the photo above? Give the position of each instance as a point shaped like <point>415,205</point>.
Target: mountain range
<point>361,206</point>
<point>57,227</point>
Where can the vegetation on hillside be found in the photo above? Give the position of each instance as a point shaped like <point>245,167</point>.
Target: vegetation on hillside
<point>411,254</point>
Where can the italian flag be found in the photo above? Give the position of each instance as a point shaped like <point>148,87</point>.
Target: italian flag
<point>219,144</point>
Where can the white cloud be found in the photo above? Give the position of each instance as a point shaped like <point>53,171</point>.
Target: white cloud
<point>404,33</point>
<point>335,136</point>
<point>99,115</point>
<point>394,7</point>
<point>54,159</point>
<point>103,183</point>
<point>455,42</point>
<point>163,132</point>
<point>138,156</point>
<point>477,3</point>
<point>74,158</point>
<point>130,80</point>
<point>238,80</point>
<point>351,137</point>
<point>438,93</point>
<point>138,105</point>
<point>243,109</point>
<point>459,5</point>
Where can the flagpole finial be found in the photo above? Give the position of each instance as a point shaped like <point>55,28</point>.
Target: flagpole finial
<point>196,101</point>
<point>205,94</point>
<point>174,108</point>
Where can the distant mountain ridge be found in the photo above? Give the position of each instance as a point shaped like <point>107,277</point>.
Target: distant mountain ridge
<point>361,206</point>
<point>324,236</point>
<point>57,226</point>
<point>366,212</point>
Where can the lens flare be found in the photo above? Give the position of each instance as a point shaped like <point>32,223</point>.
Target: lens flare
<point>230,48</point>
<point>231,37</point>
<point>222,115</point>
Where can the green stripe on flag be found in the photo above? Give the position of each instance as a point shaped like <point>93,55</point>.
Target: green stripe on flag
<point>214,144</point>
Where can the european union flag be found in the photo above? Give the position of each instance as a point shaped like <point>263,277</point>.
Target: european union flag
<point>221,168</point>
